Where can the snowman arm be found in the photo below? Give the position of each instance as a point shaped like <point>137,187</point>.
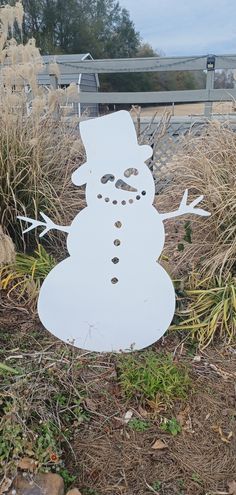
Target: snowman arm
<point>47,224</point>
<point>184,208</point>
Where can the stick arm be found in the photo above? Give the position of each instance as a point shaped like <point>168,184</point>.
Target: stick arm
<point>47,224</point>
<point>186,209</point>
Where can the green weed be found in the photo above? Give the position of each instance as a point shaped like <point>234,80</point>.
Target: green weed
<point>195,477</point>
<point>210,311</point>
<point>39,412</point>
<point>23,278</point>
<point>19,439</point>
<point>67,477</point>
<point>139,425</point>
<point>171,426</point>
<point>4,369</point>
<point>156,485</point>
<point>187,236</point>
<point>150,375</point>
<point>180,484</point>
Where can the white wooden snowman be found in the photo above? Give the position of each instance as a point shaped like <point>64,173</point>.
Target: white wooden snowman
<point>111,294</point>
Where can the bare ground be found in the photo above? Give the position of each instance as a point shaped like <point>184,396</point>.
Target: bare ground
<point>189,109</point>
<point>105,454</point>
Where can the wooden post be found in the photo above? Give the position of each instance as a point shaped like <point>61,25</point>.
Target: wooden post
<point>210,79</point>
<point>53,81</point>
<point>76,105</point>
<point>54,84</point>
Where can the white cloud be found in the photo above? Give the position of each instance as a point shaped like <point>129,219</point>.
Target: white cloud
<point>186,27</point>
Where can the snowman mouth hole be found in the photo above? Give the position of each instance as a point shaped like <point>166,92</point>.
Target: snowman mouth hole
<point>123,202</point>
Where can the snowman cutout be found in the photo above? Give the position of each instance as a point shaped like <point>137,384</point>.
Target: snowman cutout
<point>111,294</point>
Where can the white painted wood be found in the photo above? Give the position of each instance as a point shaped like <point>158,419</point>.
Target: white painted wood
<point>73,64</point>
<point>147,64</point>
<point>142,97</point>
<point>111,293</point>
<point>53,81</point>
<point>209,87</point>
<point>201,95</point>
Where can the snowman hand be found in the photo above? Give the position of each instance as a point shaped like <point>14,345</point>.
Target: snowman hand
<point>48,225</point>
<point>186,209</point>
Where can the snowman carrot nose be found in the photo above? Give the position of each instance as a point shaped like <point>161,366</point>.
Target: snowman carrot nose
<point>120,184</point>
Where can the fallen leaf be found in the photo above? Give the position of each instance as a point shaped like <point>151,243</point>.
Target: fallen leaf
<point>232,487</point>
<point>143,412</point>
<point>5,485</point>
<point>27,464</point>
<point>128,416</point>
<point>75,491</point>
<point>183,416</point>
<point>114,389</point>
<point>225,412</point>
<point>188,426</point>
<point>90,405</point>
<point>159,445</point>
<point>157,406</point>
<point>223,437</point>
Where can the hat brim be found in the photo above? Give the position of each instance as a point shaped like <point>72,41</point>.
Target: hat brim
<point>81,175</point>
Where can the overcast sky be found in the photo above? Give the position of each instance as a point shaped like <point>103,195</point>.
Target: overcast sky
<point>186,27</point>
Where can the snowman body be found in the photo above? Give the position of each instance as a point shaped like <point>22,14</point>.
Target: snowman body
<point>111,294</point>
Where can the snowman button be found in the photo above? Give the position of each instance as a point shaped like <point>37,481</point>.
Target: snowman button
<point>118,224</point>
<point>115,261</point>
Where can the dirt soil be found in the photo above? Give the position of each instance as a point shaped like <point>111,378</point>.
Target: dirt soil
<point>106,455</point>
<point>189,109</point>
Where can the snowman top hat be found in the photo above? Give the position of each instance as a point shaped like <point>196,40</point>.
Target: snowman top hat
<point>110,141</point>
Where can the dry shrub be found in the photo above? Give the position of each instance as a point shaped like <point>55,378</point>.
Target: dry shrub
<point>38,150</point>
<point>36,162</point>
<point>7,248</point>
<point>205,164</point>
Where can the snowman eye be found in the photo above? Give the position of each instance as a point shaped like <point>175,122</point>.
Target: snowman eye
<point>106,178</point>
<point>130,171</point>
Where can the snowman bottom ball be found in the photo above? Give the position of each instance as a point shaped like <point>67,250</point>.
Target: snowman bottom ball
<point>92,311</point>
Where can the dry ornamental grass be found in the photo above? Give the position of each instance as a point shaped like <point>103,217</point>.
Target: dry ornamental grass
<point>202,252</point>
<point>206,165</point>
<point>36,163</point>
<point>38,152</point>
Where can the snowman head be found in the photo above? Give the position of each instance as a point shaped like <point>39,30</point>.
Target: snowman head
<point>115,171</point>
